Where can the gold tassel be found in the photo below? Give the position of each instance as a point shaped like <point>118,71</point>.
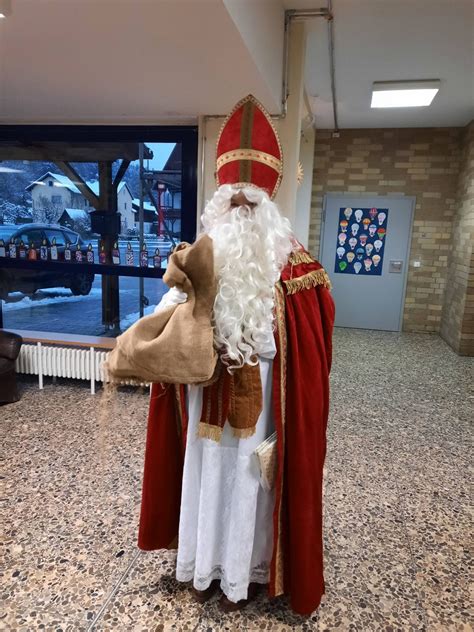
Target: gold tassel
<point>209,431</point>
<point>300,256</point>
<point>243,433</point>
<point>307,281</point>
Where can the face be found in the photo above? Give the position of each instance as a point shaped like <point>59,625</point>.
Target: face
<point>239,199</point>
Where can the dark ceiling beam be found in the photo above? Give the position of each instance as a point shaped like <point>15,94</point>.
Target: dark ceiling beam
<point>76,179</point>
<point>71,152</point>
<point>121,172</point>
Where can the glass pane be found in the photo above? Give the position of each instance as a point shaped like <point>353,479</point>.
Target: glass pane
<point>44,207</point>
<point>37,192</point>
<point>72,304</point>
<point>28,236</point>
<point>55,236</point>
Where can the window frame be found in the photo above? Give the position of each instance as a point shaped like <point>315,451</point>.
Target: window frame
<point>187,135</point>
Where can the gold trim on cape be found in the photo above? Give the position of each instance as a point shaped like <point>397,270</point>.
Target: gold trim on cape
<point>179,402</point>
<point>281,326</point>
<point>300,256</point>
<point>308,281</point>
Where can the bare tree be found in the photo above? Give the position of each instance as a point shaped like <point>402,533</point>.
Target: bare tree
<point>46,212</point>
<point>82,225</point>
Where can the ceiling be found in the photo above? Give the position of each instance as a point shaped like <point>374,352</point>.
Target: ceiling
<point>384,40</point>
<point>116,61</point>
<point>164,61</point>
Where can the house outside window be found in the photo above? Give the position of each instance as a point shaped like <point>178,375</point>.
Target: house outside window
<point>46,299</point>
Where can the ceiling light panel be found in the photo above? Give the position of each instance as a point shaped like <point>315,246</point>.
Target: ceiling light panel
<point>404,94</point>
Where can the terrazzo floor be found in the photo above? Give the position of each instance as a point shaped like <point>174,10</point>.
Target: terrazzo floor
<point>397,512</point>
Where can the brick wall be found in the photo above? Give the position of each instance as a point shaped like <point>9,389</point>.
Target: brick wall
<point>457,326</point>
<point>415,162</point>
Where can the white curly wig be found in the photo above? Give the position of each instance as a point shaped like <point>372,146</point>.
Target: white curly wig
<point>251,246</point>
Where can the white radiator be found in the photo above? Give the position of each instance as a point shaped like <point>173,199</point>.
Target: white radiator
<point>79,364</point>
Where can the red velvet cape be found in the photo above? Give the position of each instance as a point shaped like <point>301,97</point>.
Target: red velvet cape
<point>300,400</point>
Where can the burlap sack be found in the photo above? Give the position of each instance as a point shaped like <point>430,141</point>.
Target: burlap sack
<point>175,345</point>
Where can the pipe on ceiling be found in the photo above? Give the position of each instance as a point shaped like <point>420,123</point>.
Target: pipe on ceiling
<point>290,16</point>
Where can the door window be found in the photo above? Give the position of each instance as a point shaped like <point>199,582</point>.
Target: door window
<point>71,237</point>
<point>55,234</point>
<point>32,235</point>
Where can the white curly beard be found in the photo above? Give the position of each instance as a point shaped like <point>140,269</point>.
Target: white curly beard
<point>251,246</point>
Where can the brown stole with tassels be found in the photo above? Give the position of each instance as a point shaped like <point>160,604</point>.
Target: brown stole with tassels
<point>235,397</point>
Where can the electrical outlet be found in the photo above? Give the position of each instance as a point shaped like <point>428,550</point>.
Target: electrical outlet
<point>417,264</point>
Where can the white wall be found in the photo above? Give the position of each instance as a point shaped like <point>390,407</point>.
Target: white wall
<point>290,126</point>
<point>128,216</point>
<point>261,26</point>
<point>288,129</point>
<point>303,194</point>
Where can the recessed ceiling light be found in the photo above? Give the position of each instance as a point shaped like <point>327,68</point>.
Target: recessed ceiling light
<point>404,94</point>
<point>5,8</point>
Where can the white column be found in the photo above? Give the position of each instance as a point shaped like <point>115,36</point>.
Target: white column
<point>290,127</point>
<point>303,195</point>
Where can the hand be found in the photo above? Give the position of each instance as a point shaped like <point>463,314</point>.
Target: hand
<point>173,297</point>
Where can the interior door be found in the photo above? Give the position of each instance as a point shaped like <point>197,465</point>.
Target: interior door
<point>365,249</point>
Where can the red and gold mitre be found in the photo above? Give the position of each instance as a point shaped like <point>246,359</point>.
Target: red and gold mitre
<point>248,148</point>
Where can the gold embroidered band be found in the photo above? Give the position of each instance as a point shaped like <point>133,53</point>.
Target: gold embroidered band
<point>250,154</point>
<point>307,281</point>
<point>300,256</point>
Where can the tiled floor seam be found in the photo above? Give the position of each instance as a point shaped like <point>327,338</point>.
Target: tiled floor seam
<point>113,592</point>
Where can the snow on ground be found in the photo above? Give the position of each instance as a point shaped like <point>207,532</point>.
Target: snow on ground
<point>53,295</point>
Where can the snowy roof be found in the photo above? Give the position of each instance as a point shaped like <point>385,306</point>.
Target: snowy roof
<point>148,206</point>
<point>64,181</point>
<point>94,186</point>
<point>77,213</point>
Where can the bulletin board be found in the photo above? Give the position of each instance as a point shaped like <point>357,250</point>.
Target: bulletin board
<point>361,239</point>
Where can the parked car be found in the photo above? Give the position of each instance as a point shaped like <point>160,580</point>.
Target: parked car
<point>28,281</point>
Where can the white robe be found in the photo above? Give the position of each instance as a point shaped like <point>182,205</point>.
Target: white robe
<point>226,518</point>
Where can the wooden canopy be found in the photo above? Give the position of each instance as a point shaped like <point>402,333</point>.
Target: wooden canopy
<point>71,151</point>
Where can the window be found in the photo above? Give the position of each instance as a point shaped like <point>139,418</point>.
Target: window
<point>71,303</point>
<point>72,237</point>
<point>29,236</point>
<point>72,299</point>
<point>57,235</point>
<point>6,233</point>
